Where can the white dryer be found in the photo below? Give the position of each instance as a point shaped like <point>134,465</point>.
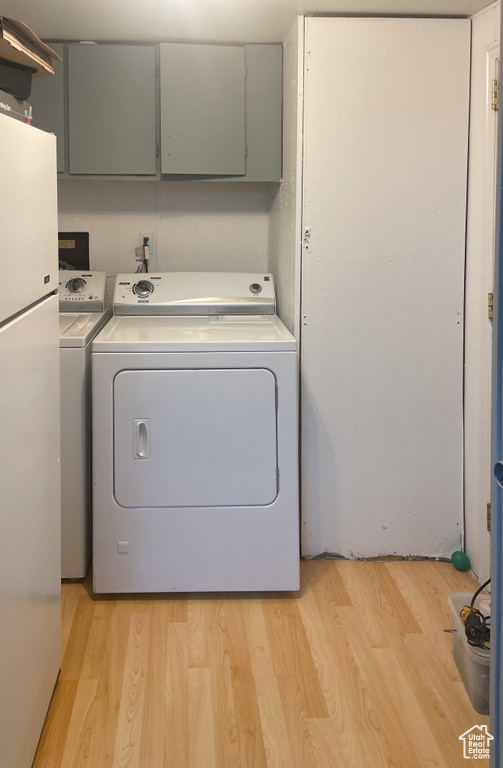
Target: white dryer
<point>82,314</point>
<point>195,435</point>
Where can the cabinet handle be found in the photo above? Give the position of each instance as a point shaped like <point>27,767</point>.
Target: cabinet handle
<point>141,438</point>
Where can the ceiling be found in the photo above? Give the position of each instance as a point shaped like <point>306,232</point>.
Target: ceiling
<point>202,20</point>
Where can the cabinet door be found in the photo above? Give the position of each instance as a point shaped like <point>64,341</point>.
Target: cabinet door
<point>202,109</point>
<point>48,101</point>
<point>263,112</point>
<point>111,90</point>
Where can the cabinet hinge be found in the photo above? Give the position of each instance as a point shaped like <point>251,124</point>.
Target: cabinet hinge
<point>495,95</point>
<point>490,306</point>
<point>246,151</point>
<point>489,516</point>
<point>157,150</point>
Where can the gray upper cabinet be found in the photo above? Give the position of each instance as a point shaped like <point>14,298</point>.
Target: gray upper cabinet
<point>220,111</point>
<point>264,89</point>
<point>112,110</point>
<point>202,109</point>
<point>48,101</point>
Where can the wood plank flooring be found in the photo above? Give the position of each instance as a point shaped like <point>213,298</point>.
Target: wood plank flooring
<point>354,670</point>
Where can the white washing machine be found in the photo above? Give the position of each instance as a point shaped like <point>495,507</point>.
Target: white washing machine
<point>195,435</point>
<point>82,314</point>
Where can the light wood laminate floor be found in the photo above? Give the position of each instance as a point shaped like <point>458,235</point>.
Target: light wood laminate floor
<point>354,670</point>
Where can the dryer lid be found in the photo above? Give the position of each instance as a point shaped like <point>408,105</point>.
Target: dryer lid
<point>194,293</point>
<point>253,333</point>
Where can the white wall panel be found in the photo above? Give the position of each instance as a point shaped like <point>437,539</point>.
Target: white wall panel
<point>256,21</point>
<point>197,226</point>
<point>386,116</point>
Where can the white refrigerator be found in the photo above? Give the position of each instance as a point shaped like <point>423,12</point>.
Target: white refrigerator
<point>30,571</point>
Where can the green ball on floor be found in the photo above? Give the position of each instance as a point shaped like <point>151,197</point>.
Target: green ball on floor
<point>460,561</point>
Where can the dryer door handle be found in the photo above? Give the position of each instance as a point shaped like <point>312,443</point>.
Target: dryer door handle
<point>141,438</point>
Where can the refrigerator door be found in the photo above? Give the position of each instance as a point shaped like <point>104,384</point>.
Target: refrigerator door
<point>30,541</point>
<point>28,221</point>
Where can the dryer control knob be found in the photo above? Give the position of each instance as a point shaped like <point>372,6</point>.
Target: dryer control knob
<point>255,288</point>
<point>76,285</point>
<point>143,288</point>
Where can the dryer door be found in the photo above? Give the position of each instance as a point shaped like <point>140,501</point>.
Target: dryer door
<point>195,438</point>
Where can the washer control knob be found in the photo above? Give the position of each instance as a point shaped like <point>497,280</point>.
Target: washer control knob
<point>143,288</point>
<point>255,288</point>
<point>76,285</point>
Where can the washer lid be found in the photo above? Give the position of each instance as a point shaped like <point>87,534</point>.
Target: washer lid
<point>194,293</point>
<point>223,333</point>
<point>77,330</point>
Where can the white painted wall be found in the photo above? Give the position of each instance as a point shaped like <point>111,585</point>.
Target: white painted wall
<point>479,282</point>
<point>385,164</point>
<point>198,226</point>
<point>285,212</point>
<point>251,21</point>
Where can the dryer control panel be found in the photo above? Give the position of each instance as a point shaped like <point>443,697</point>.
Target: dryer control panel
<point>195,293</point>
<point>81,291</point>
